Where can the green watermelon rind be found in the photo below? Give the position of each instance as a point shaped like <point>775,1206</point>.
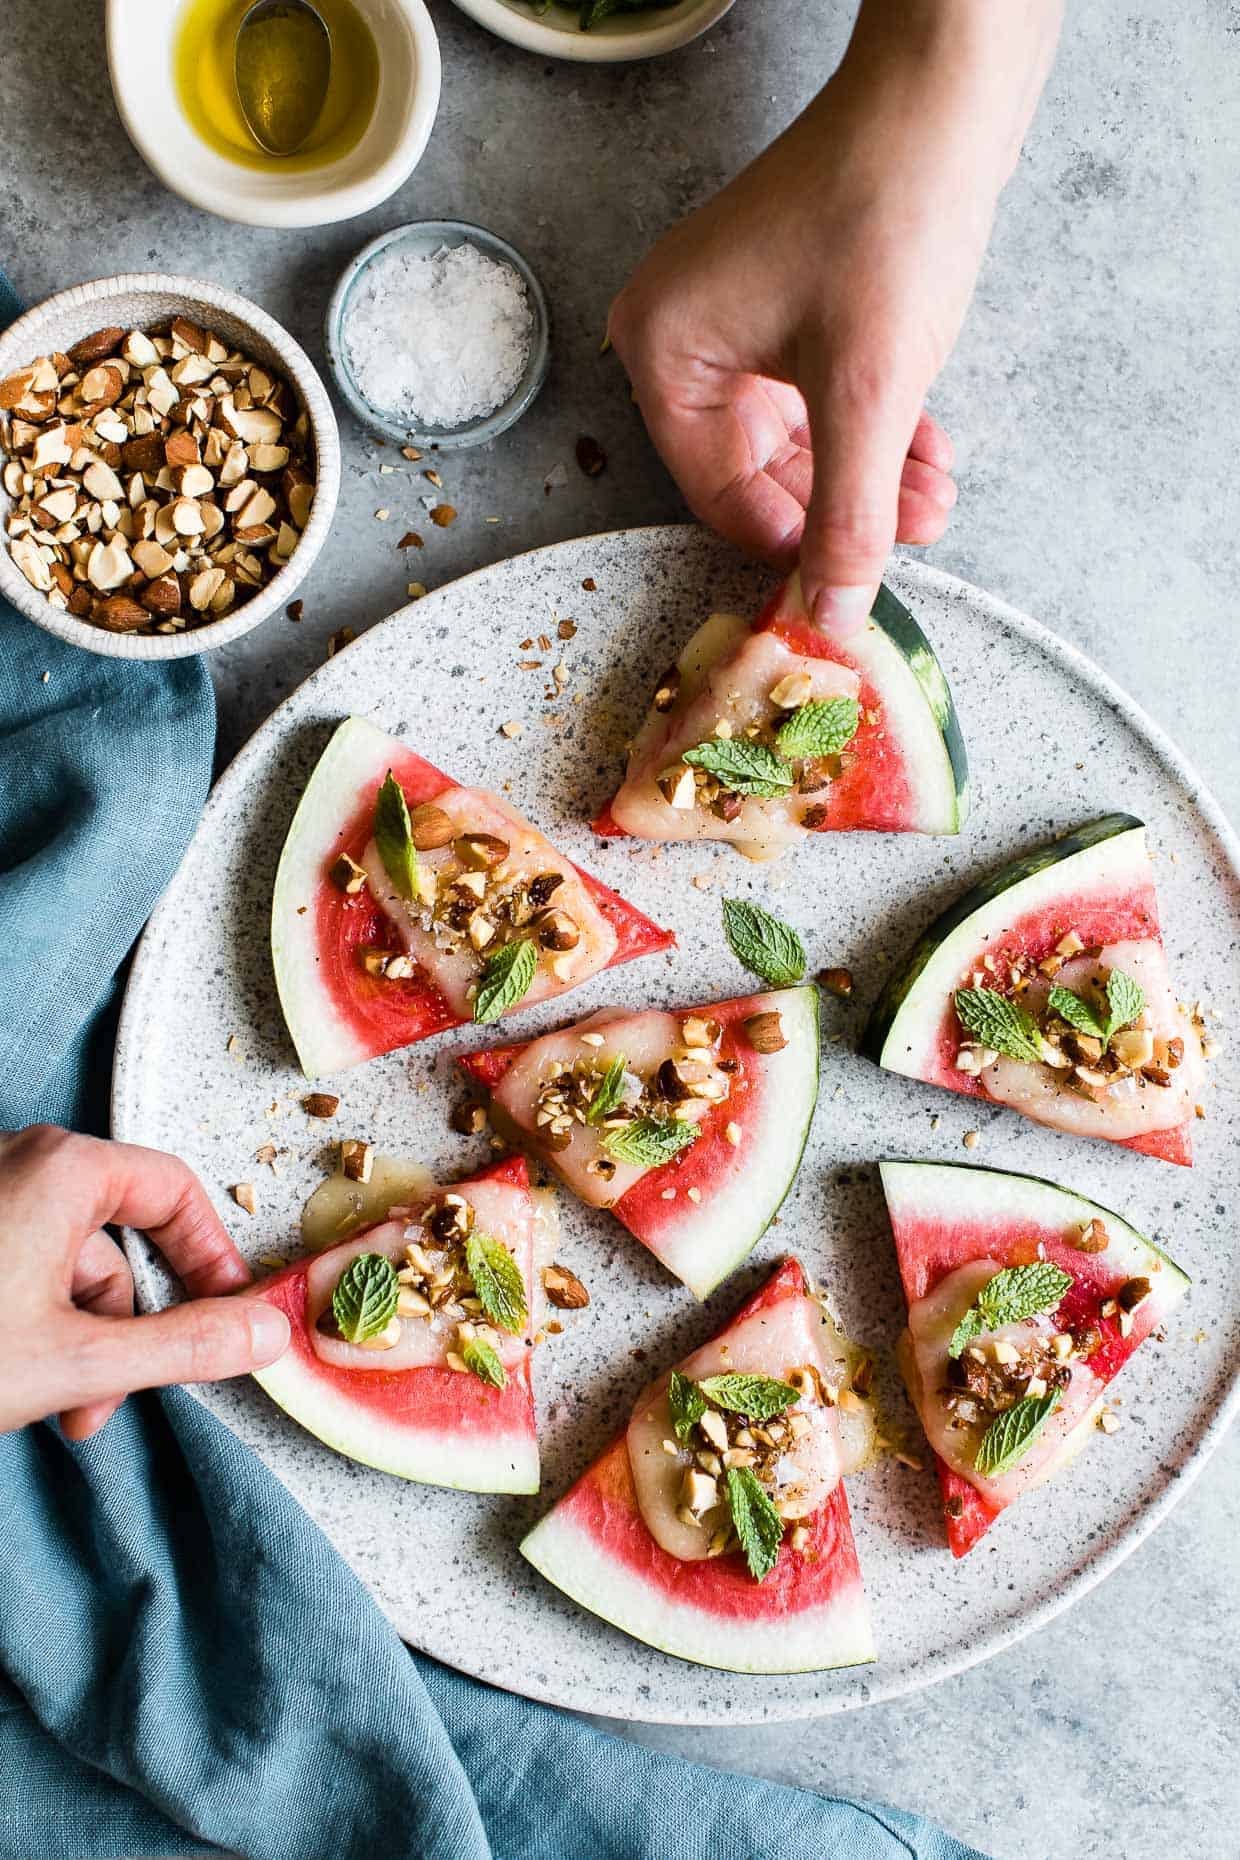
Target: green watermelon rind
<point>815,1640</point>
<point>481,1463</point>
<point>358,753</point>
<point>909,1012</point>
<point>704,1263</point>
<point>1129,1249</point>
<point>913,657</point>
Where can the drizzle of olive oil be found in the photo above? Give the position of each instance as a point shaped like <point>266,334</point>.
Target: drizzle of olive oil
<point>203,61</point>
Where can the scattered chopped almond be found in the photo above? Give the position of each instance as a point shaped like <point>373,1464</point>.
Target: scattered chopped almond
<point>357,1159</point>
<point>510,729</point>
<point>971,1139</point>
<point>295,609</point>
<point>320,1104</point>
<point>442,515</point>
<point>244,1196</point>
<point>342,637</point>
<point>567,629</point>
<point>564,1289</point>
<point>837,982</point>
<point>411,540</point>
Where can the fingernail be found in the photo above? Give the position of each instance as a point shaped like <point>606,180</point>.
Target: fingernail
<point>841,611</point>
<point>269,1333</point>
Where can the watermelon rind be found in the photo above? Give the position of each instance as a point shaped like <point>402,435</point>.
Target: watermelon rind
<point>917,702</point>
<point>837,1634</point>
<point>358,753</point>
<point>482,1462</point>
<point>903,1029</point>
<point>959,1192</point>
<point>712,1239</point>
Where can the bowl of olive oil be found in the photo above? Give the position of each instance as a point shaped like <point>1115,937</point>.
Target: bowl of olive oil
<point>173,76</point>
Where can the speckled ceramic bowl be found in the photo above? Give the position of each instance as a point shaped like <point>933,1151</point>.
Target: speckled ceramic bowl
<point>204,1066</point>
<point>142,300</point>
<point>421,239</point>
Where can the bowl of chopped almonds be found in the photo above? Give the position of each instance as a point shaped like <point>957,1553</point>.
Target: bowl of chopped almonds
<point>170,466</point>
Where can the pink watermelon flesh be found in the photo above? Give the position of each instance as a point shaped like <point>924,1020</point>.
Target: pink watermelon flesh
<point>371,1015</point>
<point>430,1423</point>
<point>936,1232</point>
<point>738,1184</point>
<point>809,1613</point>
<point>879,789</point>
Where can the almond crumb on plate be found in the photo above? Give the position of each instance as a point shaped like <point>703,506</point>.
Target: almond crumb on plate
<point>244,1196</point>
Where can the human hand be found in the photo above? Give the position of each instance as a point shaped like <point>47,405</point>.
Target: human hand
<point>781,341</point>
<point>69,1343</point>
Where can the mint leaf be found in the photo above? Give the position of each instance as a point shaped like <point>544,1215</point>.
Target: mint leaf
<point>757,1523</point>
<point>1077,1012</point>
<point>819,729</point>
<point>394,838</point>
<point>740,765</point>
<point>765,944</point>
<point>1010,1436</point>
<point>686,1402</point>
<point>1126,1000</point>
<point>1016,1293</point>
<point>998,1022</point>
<point>480,1359</point>
<point>756,1397</point>
<point>507,975</point>
<point>649,1141</point>
<point>609,1093</point>
<point>364,1301</point>
<point>497,1281</point>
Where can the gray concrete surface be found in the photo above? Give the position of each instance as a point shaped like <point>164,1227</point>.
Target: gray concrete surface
<point>1093,398</point>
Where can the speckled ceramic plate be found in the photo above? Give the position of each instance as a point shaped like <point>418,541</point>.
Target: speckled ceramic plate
<point>1052,743</point>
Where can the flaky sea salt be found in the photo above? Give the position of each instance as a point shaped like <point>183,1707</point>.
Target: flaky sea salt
<point>439,339</point>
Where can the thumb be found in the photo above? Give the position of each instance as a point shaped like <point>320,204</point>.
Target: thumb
<point>202,1341</point>
<point>860,441</point>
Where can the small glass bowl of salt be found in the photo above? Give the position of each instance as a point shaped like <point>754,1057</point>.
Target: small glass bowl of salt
<point>438,334</point>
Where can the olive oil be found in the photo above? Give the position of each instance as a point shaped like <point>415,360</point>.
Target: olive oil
<point>203,73</point>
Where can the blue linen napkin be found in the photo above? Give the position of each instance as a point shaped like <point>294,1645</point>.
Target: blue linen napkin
<point>186,1664</point>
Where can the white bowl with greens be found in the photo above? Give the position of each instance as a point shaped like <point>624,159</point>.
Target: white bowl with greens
<point>597,32</point>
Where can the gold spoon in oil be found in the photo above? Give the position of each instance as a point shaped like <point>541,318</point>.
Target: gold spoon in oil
<point>282,63</point>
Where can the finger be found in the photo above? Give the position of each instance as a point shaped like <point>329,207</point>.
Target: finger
<point>102,1282</point>
<point>927,498</point>
<point>81,1423</point>
<point>89,1183</point>
<point>862,424</point>
<point>931,444</point>
<point>206,1340</point>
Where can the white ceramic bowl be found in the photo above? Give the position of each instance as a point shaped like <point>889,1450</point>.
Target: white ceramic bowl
<point>556,34</point>
<point>141,40</point>
<point>140,301</point>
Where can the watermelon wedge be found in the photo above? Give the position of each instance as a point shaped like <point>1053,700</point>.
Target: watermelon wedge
<point>956,1227</point>
<point>1046,988</point>
<point>359,970</point>
<point>809,1612</point>
<point>736,1080</point>
<point>406,1409</point>
<point>858,735</point>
